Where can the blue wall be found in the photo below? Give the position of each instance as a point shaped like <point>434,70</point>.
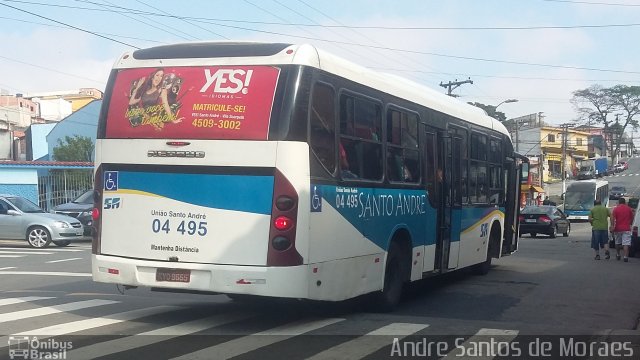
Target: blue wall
<point>83,122</point>
<point>39,147</point>
<point>23,182</point>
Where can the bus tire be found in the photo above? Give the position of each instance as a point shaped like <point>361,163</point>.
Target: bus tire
<point>395,275</point>
<point>484,267</point>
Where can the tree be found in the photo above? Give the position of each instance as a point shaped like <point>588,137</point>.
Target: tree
<point>76,148</point>
<point>596,103</point>
<point>627,100</point>
<point>490,110</point>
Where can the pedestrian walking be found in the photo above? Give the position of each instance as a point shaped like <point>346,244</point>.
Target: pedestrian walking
<point>621,219</point>
<point>599,220</point>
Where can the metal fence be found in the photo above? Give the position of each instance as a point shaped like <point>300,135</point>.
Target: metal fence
<point>62,186</point>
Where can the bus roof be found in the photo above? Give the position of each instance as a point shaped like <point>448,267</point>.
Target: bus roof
<point>587,184</point>
<point>258,53</point>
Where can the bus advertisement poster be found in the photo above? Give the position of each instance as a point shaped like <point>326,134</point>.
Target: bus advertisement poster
<point>204,102</point>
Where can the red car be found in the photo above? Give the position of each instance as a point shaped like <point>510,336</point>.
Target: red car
<point>624,164</point>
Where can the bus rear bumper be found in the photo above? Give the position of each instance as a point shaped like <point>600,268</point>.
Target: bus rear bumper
<point>289,282</point>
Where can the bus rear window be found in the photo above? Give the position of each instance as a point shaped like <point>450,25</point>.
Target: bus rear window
<point>205,102</point>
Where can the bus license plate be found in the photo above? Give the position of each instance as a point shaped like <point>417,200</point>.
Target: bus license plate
<point>173,275</point>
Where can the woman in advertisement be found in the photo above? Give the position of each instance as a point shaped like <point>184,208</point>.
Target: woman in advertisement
<point>151,94</point>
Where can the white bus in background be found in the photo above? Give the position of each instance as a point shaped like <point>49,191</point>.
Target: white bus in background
<point>581,195</point>
<point>284,171</point>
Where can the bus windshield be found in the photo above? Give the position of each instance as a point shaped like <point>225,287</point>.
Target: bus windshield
<point>579,200</point>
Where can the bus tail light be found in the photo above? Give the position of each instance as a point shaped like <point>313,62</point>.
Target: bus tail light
<point>282,223</point>
<point>96,213</point>
<point>282,234</point>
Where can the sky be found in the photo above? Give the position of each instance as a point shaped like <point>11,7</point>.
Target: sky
<point>535,51</point>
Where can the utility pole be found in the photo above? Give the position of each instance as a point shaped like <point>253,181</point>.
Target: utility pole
<point>565,135</point>
<point>452,85</point>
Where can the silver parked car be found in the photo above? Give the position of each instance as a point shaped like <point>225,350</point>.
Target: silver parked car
<point>22,219</point>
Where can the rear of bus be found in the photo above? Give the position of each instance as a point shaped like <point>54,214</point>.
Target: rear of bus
<point>197,188</point>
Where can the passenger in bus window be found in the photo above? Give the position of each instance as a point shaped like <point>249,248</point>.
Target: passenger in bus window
<point>407,176</point>
<point>344,164</point>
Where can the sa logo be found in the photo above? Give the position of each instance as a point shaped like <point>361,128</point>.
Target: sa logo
<point>112,203</point>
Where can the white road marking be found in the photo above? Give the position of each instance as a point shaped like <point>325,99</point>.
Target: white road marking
<point>48,310</point>
<point>82,325</point>
<point>367,344</point>
<point>162,334</point>
<point>253,342</point>
<point>7,268</point>
<point>46,250</point>
<point>11,301</point>
<point>57,261</point>
<point>45,273</point>
<point>12,256</point>
<point>26,252</point>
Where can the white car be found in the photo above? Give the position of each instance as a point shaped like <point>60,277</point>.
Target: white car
<point>22,219</point>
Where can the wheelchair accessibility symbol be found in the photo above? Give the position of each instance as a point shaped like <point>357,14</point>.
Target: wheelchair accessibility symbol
<point>316,199</point>
<point>110,180</point>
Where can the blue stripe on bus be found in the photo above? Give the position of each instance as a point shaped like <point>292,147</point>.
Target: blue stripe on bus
<point>377,213</point>
<point>229,192</point>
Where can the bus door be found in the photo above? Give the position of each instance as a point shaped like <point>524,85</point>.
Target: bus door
<point>449,214</point>
<point>512,177</point>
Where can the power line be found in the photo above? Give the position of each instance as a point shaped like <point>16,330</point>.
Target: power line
<point>148,24</point>
<point>50,69</point>
<point>384,47</point>
<point>361,27</point>
<point>70,26</point>
<point>64,27</point>
<point>187,21</point>
<point>591,3</point>
<point>368,39</point>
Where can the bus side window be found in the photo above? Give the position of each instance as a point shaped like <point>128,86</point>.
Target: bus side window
<point>360,121</point>
<point>322,136</point>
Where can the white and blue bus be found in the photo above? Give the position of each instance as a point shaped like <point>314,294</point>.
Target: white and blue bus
<point>580,197</point>
<point>281,170</point>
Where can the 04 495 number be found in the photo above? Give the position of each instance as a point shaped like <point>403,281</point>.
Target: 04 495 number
<point>188,227</point>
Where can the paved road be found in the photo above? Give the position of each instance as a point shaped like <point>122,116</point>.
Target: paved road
<point>551,286</point>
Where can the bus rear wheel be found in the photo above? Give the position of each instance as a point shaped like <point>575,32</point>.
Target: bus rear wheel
<point>395,275</point>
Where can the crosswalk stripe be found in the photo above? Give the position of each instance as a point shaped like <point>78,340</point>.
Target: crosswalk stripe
<point>45,273</point>
<point>368,344</point>
<point>25,252</point>
<point>63,260</point>
<point>47,310</point>
<point>11,301</point>
<point>162,334</point>
<point>12,256</point>
<point>502,336</point>
<point>45,250</point>
<point>8,267</point>
<point>253,342</point>
<point>82,325</point>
